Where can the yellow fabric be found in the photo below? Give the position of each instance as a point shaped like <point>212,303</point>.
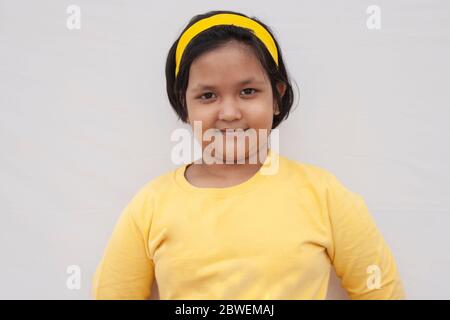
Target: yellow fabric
<point>225,19</point>
<point>270,237</point>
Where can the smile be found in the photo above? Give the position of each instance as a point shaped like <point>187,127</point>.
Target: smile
<point>233,132</point>
<point>230,130</point>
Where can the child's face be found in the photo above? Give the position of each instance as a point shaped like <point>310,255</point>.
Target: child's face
<point>216,97</point>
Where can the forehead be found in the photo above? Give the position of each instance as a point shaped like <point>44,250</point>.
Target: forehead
<point>231,64</point>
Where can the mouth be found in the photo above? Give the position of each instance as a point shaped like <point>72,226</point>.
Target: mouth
<point>233,133</point>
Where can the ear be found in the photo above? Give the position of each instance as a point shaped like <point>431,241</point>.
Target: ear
<point>281,87</point>
<point>183,104</point>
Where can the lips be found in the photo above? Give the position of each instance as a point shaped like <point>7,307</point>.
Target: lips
<point>233,130</point>
<point>233,133</point>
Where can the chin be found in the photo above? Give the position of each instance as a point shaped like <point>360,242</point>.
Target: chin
<point>246,156</point>
<point>232,149</point>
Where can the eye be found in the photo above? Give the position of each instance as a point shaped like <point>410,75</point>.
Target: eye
<point>246,89</point>
<point>206,95</point>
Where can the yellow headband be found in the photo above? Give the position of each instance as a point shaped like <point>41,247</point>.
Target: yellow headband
<point>225,19</point>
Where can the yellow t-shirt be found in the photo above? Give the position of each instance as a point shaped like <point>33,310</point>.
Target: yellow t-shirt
<point>274,236</point>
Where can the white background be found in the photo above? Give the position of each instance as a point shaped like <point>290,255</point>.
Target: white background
<point>85,122</point>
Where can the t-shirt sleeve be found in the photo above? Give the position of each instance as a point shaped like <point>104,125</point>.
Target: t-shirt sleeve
<point>126,269</point>
<point>361,257</point>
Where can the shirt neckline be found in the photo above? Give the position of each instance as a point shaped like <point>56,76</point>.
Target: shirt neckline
<point>250,184</point>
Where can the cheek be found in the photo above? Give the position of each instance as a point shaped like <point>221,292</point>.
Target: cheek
<point>259,114</point>
<point>203,115</point>
<point>200,113</point>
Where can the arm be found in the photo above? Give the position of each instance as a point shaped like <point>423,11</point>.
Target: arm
<point>361,257</point>
<point>126,269</point>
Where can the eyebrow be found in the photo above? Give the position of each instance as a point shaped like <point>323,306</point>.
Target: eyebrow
<point>243,82</point>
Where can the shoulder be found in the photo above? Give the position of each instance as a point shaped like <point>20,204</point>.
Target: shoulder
<point>326,184</point>
<point>158,185</point>
<point>308,173</point>
<point>147,193</point>
<point>141,207</point>
<point>342,203</point>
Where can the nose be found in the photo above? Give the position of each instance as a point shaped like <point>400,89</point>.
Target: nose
<point>229,110</point>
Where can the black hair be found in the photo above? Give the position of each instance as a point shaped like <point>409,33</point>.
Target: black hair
<point>213,38</point>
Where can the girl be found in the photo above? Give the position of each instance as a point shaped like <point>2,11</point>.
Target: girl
<point>228,231</point>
